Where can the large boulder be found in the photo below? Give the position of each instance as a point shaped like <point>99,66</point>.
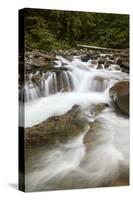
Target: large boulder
<point>57,129</point>
<point>120,96</point>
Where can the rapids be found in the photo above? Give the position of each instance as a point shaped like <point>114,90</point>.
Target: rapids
<point>76,164</point>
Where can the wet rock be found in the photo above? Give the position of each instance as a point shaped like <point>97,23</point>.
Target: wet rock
<point>100,66</point>
<point>94,124</point>
<point>57,129</point>
<point>125,65</point>
<point>95,109</point>
<point>68,57</point>
<point>123,62</point>
<point>94,62</point>
<point>37,79</point>
<point>85,58</point>
<point>122,180</point>
<point>40,54</point>
<point>111,57</point>
<point>102,60</point>
<point>63,64</point>
<point>108,55</point>
<point>120,96</point>
<point>118,61</point>
<point>108,63</point>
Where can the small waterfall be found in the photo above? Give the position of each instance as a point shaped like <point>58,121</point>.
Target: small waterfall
<point>68,81</point>
<point>64,81</point>
<point>49,83</point>
<point>43,84</point>
<point>29,92</point>
<point>79,76</point>
<point>73,80</point>
<point>99,85</point>
<point>55,82</point>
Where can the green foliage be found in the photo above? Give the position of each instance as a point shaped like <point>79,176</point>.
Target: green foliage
<point>37,34</point>
<point>113,30</point>
<point>54,29</point>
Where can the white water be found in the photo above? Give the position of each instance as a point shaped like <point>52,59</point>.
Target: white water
<point>50,83</point>
<point>89,86</point>
<point>80,77</point>
<point>38,111</point>
<point>30,92</point>
<point>75,165</point>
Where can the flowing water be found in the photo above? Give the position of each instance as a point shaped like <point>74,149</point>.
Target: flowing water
<point>76,164</point>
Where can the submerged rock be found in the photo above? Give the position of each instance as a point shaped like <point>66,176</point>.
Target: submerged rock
<point>120,96</point>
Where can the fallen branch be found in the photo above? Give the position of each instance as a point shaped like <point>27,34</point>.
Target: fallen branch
<point>102,48</point>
